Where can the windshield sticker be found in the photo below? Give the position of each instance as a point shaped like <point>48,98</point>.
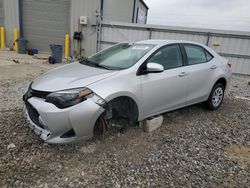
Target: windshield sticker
<point>140,47</point>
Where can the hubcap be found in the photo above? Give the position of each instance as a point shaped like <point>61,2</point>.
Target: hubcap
<point>217,97</point>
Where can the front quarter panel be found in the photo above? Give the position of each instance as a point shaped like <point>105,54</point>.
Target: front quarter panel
<point>126,83</point>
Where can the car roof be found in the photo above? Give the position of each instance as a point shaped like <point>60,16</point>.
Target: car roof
<point>164,42</point>
<point>160,42</point>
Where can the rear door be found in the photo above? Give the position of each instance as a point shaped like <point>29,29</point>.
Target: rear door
<point>166,90</point>
<point>199,66</point>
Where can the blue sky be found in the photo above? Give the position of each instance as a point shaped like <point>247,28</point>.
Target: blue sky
<point>214,14</point>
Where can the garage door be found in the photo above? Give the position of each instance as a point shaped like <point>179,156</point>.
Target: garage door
<point>1,12</point>
<point>45,22</point>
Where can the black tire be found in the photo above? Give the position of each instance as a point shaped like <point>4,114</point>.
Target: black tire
<point>213,97</point>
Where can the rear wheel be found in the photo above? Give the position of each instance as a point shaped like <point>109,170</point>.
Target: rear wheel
<point>216,97</point>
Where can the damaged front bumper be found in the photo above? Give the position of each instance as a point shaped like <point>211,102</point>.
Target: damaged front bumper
<point>54,125</point>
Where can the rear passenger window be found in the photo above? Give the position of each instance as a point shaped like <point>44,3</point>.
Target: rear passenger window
<point>195,54</point>
<point>209,56</point>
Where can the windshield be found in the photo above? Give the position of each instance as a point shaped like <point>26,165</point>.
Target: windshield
<point>121,56</point>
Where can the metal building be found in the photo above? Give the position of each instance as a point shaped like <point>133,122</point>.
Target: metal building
<point>118,11</point>
<point>1,12</point>
<point>46,22</point>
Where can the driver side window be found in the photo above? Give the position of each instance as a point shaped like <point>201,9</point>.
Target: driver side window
<point>169,57</point>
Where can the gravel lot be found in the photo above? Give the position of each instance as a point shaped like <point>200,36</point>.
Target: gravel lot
<point>194,147</point>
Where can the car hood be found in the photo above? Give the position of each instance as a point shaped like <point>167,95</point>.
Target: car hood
<point>70,76</point>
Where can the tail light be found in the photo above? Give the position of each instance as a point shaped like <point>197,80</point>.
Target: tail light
<point>229,65</point>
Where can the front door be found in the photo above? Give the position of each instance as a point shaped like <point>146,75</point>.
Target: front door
<point>166,90</point>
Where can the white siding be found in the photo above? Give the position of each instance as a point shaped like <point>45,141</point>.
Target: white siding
<point>240,65</point>
<point>179,36</point>
<point>114,35</point>
<point>231,45</point>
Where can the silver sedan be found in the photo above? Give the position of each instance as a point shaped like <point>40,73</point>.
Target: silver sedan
<point>129,82</point>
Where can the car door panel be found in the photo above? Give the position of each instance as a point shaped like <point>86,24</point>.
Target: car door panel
<point>167,90</point>
<point>163,91</point>
<point>198,81</point>
<point>200,76</point>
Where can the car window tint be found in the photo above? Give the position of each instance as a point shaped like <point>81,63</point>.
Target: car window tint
<point>169,57</point>
<point>209,56</point>
<point>195,54</point>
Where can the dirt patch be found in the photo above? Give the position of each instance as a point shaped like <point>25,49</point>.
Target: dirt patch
<point>14,66</point>
<point>239,153</point>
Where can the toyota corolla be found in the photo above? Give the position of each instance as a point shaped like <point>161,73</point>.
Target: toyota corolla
<point>128,81</point>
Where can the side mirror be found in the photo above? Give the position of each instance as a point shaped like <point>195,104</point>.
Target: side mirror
<point>154,68</point>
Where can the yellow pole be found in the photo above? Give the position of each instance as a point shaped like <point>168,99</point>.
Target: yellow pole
<point>66,52</point>
<point>15,38</point>
<point>2,38</point>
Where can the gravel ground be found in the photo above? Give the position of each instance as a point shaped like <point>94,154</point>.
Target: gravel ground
<point>194,148</point>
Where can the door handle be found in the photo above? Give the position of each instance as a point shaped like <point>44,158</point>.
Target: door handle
<point>214,67</point>
<point>182,74</point>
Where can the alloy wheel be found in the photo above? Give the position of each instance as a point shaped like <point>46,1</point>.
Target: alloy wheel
<point>217,97</point>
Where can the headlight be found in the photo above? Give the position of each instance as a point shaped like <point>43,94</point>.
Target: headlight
<point>68,98</point>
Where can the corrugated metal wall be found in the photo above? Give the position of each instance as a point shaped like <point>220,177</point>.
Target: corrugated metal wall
<point>140,5</point>
<point>235,46</point>
<point>118,10</point>
<point>11,18</point>
<point>77,8</point>
<point>1,13</point>
<point>85,8</point>
<point>236,49</point>
<point>45,22</point>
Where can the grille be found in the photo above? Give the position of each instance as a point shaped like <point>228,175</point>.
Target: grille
<point>33,113</point>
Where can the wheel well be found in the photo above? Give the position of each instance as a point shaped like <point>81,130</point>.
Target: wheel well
<point>222,81</point>
<point>121,110</point>
<point>123,107</point>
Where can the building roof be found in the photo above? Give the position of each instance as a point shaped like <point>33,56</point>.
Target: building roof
<point>142,1</point>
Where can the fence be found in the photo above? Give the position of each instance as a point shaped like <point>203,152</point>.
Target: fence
<point>235,46</point>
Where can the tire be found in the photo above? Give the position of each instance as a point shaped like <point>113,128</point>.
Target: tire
<point>216,97</point>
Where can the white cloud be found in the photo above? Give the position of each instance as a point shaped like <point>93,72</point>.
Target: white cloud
<point>217,14</point>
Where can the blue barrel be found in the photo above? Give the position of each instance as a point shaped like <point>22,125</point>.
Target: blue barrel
<point>22,45</point>
<point>56,52</point>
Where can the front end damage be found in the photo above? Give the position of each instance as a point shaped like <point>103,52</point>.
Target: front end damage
<point>55,125</point>
<point>119,113</point>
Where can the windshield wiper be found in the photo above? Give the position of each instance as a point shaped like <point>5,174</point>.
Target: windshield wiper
<point>86,61</point>
<point>103,66</point>
<point>90,63</point>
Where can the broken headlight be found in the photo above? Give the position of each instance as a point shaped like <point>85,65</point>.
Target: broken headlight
<point>68,98</point>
